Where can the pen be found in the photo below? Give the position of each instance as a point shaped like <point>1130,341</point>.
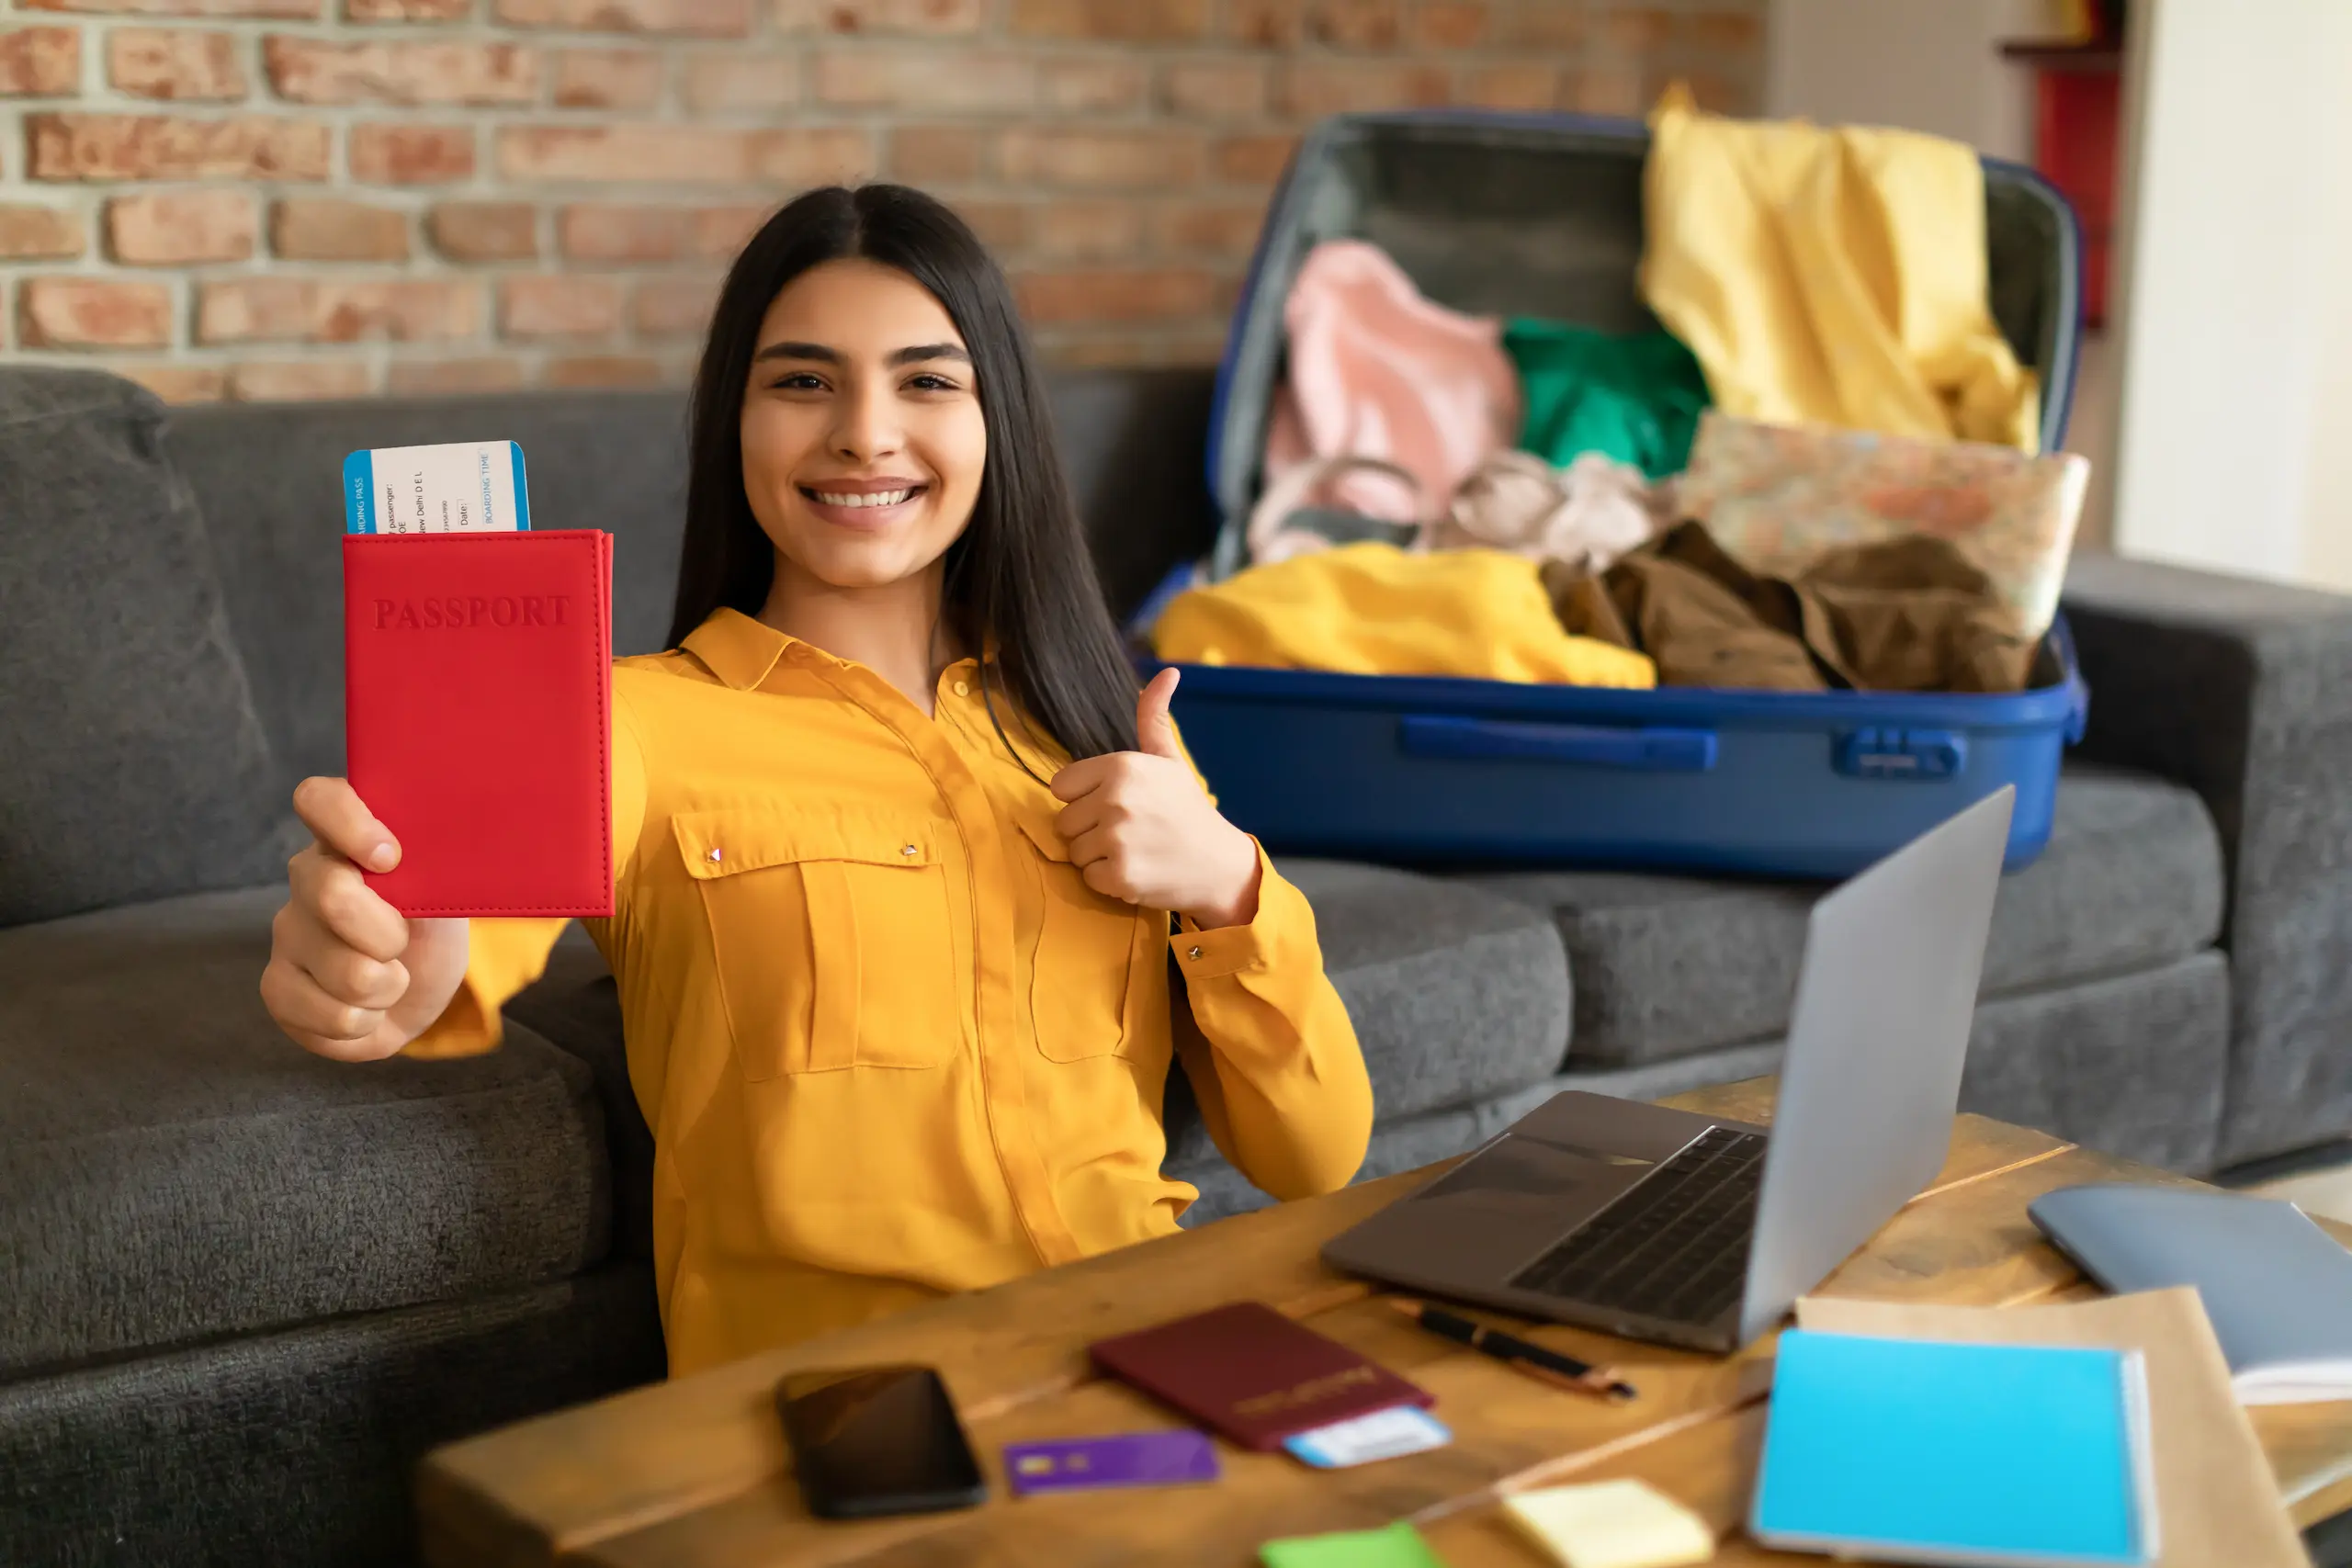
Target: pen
<point>1520,1355</point>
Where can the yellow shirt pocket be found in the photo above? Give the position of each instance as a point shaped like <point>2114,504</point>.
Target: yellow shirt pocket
<point>831,937</point>
<point>1086,978</point>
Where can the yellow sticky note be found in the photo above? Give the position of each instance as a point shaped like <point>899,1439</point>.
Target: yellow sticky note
<point>1611,1524</point>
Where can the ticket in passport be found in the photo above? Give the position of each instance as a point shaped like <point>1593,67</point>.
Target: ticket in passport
<point>462,487</point>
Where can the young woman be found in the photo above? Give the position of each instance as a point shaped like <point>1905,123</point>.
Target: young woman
<point>900,850</point>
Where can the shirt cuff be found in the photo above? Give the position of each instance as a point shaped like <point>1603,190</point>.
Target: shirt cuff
<point>1231,950</point>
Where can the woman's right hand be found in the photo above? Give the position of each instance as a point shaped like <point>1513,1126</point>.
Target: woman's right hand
<point>349,977</point>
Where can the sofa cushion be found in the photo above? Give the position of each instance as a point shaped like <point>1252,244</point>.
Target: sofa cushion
<point>171,1168</point>
<point>1455,994</point>
<point>136,767</point>
<point>1669,965</point>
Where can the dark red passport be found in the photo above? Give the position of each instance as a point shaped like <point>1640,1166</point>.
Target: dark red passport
<point>478,716</point>
<point>1253,1375</point>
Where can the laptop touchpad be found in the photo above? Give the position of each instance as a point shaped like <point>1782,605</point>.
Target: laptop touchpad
<point>1500,1208</point>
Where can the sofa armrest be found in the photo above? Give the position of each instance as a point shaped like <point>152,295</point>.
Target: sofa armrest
<point>2242,691</point>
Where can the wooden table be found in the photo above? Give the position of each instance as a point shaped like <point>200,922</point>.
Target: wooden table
<point>694,1473</point>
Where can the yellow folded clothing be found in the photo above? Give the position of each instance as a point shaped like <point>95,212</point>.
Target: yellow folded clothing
<point>1833,276</point>
<point>1373,609</point>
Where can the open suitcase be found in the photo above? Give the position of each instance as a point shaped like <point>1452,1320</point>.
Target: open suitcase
<point>1505,214</point>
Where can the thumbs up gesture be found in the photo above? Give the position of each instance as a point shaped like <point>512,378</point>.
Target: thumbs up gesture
<point>1140,828</point>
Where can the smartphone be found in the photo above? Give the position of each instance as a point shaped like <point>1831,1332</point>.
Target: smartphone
<point>874,1440</point>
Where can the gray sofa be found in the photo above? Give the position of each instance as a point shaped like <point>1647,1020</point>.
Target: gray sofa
<point>241,1288</point>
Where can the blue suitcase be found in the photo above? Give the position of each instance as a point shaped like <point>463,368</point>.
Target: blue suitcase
<point>1503,214</point>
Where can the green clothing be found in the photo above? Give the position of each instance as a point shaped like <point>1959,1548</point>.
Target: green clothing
<point>1636,398</point>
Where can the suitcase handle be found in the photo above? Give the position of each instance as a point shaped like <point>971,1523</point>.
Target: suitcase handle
<point>1644,750</point>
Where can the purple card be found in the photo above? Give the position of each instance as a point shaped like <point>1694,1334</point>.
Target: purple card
<point>1131,1459</point>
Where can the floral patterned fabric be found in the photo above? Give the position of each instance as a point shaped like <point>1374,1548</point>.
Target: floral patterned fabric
<point>1777,497</point>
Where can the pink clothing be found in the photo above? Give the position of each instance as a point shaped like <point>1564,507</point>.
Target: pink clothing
<point>1377,371</point>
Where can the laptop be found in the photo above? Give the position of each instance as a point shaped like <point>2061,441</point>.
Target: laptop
<point>1691,1230</point>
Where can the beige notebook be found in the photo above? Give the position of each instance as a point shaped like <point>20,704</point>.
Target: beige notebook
<point>2217,1504</point>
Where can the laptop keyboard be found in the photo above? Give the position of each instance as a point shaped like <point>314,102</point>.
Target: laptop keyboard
<point>1675,1247</point>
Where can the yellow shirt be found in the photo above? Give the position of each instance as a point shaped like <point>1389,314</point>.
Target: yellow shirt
<point>1830,276</point>
<point>1373,609</point>
<point>889,1042</point>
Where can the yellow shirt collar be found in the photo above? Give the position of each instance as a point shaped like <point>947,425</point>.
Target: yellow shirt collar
<point>737,648</point>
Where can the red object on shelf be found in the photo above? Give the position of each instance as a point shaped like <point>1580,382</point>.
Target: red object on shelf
<point>2074,148</point>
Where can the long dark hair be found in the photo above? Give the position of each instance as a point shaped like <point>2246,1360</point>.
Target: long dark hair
<point>1018,579</point>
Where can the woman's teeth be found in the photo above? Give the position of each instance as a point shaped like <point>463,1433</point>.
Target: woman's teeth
<point>880,498</point>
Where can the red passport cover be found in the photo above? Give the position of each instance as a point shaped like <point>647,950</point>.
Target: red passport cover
<point>1253,1375</point>
<point>478,716</point>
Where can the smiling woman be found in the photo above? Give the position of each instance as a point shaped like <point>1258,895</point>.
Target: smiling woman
<point>901,851</point>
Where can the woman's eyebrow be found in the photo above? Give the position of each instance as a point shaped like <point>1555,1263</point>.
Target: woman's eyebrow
<point>922,351</point>
<point>816,351</point>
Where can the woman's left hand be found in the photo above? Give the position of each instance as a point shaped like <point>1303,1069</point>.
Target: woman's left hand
<point>1140,828</point>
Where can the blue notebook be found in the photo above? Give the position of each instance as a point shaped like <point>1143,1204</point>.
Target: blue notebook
<point>1922,1451</point>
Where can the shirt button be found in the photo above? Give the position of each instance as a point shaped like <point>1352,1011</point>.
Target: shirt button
<point>716,855</point>
<point>910,851</point>
<point>962,689</point>
<point>1193,952</point>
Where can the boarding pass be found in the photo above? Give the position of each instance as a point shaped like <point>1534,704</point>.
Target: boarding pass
<point>461,487</point>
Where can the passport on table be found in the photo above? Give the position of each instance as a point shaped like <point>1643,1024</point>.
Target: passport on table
<point>478,716</point>
<point>1252,1373</point>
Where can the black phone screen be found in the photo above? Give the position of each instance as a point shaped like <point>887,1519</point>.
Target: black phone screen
<point>870,1440</point>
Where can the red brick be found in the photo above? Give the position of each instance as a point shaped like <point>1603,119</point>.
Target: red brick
<point>179,383</point>
<point>1310,89</point>
<point>1713,91</point>
<point>606,232</point>
<point>410,310</point>
<point>605,370</point>
<point>663,154</point>
<point>1734,32</point>
<point>1603,92</point>
<point>741,83</point>
<point>39,62</point>
<point>816,156</point>
<point>299,381</point>
<point>89,313</point>
<point>1000,225</point>
<point>1528,87</point>
<point>1225,229</point>
<point>536,307</point>
<point>178,228</point>
<point>959,82</point>
<point>40,233</point>
<point>1357,23</point>
<point>1547,26</point>
<point>160,147</point>
<point>934,18</point>
<point>439,378</point>
<point>396,154</point>
<point>311,71</point>
<point>1254,159</point>
<point>484,231</point>
<point>1104,159</point>
<point>319,228</point>
<point>407,10</point>
<point>1090,230</point>
<point>1121,295</point>
<point>1215,89</point>
<point>1106,86</point>
<point>1267,24</point>
<point>277,10</point>
<point>1130,21</point>
<point>1637,32</point>
<point>608,79</point>
<point>1452,24</point>
<point>672,307</point>
<point>174,64</point>
<point>719,232</point>
<point>937,155</point>
<point>706,19</point>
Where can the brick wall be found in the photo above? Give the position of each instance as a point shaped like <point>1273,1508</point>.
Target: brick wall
<point>283,198</point>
